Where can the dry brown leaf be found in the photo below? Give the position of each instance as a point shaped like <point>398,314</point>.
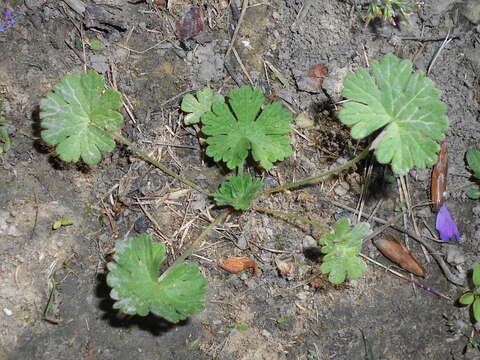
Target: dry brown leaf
<point>395,251</point>
<point>439,177</point>
<point>283,267</point>
<point>235,264</point>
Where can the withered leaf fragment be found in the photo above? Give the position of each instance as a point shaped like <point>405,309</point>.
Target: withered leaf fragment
<point>191,24</point>
<point>236,264</point>
<point>439,176</point>
<point>396,252</point>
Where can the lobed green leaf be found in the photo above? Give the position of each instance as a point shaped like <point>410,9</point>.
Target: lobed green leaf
<point>405,104</point>
<point>199,105</point>
<point>473,160</point>
<point>79,117</point>
<point>341,250</point>
<point>137,288</point>
<point>233,131</point>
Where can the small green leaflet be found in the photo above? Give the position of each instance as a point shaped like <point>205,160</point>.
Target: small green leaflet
<point>134,279</point>
<point>5,142</point>
<point>473,160</point>
<point>197,106</point>
<point>243,126</point>
<point>406,103</point>
<point>238,191</point>
<point>342,248</point>
<point>79,117</point>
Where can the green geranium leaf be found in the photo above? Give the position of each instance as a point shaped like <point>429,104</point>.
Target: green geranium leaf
<point>79,117</point>
<point>238,191</point>
<point>476,309</point>
<point>5,142</point>
<point>405,103</point>
<point>473,160</point>
<point>476,275</point>
<point>197,106</point>
<point>467,298</point>
<point>341,250</point>
<point>235,130</point>
<point>134,279</point>
<point>473,194</point>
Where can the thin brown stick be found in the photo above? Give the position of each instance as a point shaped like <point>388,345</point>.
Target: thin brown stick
<point>237,28</point>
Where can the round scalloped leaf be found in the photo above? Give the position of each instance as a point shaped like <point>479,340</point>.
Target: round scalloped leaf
<point>79,117</point>
<point>405,104</point>
<point>137,288</point>
<point>199,105</point>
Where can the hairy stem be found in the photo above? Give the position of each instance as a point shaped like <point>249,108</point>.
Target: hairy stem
<point>196,242</point>
<point>293,216</point>
<point>157,164</point>
<point>312,179</point>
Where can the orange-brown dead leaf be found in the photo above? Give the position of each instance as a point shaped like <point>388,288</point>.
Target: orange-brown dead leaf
<point>395,251</point>
<point>236,264</point>
<point>439,177</point>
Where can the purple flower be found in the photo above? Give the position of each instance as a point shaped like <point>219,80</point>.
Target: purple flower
<point>446,226</point>
<point>6,19</point>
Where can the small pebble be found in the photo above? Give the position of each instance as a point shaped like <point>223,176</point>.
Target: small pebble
<point>142,224</point>
<point>7,312</point>
<point>309,242</point>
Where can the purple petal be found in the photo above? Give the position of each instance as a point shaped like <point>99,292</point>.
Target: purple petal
<point>446,226</point>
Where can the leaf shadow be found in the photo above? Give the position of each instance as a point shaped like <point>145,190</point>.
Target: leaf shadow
<point>153,324</point>
<point>43,148</point>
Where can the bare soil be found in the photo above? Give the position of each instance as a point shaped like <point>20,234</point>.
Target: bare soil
<point>295,316</point>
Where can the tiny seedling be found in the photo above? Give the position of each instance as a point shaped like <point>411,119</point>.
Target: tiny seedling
<point>341,249</point>
<point>280,320</point>
<point>62,222</point>
<point>5,143</point>
<point>389,10</point>
<point>473,160</point>
<point>238,326</point>
<point>473,297</point>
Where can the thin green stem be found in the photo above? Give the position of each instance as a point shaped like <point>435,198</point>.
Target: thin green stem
<point>196,242</point>
<point>159,165</point>
<point>293,216</point>
<point>312,179</point>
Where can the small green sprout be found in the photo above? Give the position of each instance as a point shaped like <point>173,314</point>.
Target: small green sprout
<point>238,326</point>
<point>5,143</point>
<point>96,45</point>
<point>238,191</point>
<point>341,249</point>
<point>62,222</point>
<point>389,10</point>
<point>473,160</point>
<point>280,320</point>
<point>473,297</point>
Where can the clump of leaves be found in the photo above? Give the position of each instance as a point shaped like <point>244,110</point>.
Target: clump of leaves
<point>473,297</point>
<point>389,10</point>
<point>341,249</point>
<point>5,143</point>
<point>138,289</point>
<point>64,221</point>
<point>235,129</point>
<point>239,192</point>
<point>473,160</point>
<point>405,104</point>
<point>79,117</point>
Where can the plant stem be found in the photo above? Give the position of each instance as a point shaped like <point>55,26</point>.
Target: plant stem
<point>195,243</point>
<point>293,216</point>
<point>156,163</point>
<point>312,179</point>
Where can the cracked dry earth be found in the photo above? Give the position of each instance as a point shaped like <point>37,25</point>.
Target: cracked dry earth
<point>298,315</point>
